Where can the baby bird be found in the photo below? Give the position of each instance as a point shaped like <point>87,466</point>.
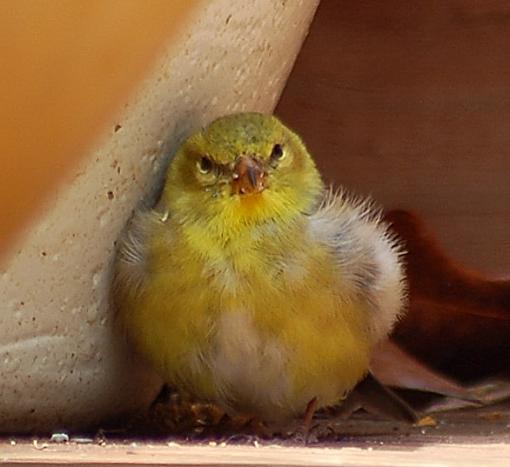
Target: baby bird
<point>250,284</point>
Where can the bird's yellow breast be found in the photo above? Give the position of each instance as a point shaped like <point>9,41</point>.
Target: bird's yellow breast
<point>259,322</point>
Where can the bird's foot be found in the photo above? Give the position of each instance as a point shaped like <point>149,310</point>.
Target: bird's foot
<point>302,432</point>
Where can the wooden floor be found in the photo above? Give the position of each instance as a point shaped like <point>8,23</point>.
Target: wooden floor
<point>466,437</point>
<point>411,453</point>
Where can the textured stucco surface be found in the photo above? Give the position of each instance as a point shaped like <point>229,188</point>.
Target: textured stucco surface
<point>60,364</point>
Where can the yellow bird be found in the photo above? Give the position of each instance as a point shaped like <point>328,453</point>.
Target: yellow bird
<point>251,284</point>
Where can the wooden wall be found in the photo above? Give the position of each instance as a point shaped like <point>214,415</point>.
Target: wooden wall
<point>410,101</point>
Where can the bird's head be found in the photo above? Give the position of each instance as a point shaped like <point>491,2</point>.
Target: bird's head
<point>242,169</point>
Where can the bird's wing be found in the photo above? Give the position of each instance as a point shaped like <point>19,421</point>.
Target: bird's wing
<point>131,261</point>
<point>368,256</point>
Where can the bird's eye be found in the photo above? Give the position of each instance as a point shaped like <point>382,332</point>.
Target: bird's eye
<point>205,165</point>
<point>277,153</point>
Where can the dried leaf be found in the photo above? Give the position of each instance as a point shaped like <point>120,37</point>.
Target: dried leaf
<point>394,367</point>
<point>376,399</point>
<point>458,321</point>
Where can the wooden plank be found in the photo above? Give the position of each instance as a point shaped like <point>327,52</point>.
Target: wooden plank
<point>462,437</point>
<point>156,454</point>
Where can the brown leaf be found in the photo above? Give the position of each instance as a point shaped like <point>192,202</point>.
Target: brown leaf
<point>458,321</point>
<point>394,367</point>
<point>375,398</point>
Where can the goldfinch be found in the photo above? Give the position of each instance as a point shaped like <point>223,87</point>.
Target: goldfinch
<point>251,284</point>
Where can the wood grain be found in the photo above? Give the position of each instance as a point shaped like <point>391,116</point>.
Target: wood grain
<point>468,437</point>
<point>409,101</point>
<point>152,454</point>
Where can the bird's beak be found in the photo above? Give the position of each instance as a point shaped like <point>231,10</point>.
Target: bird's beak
<point>248,176</point>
